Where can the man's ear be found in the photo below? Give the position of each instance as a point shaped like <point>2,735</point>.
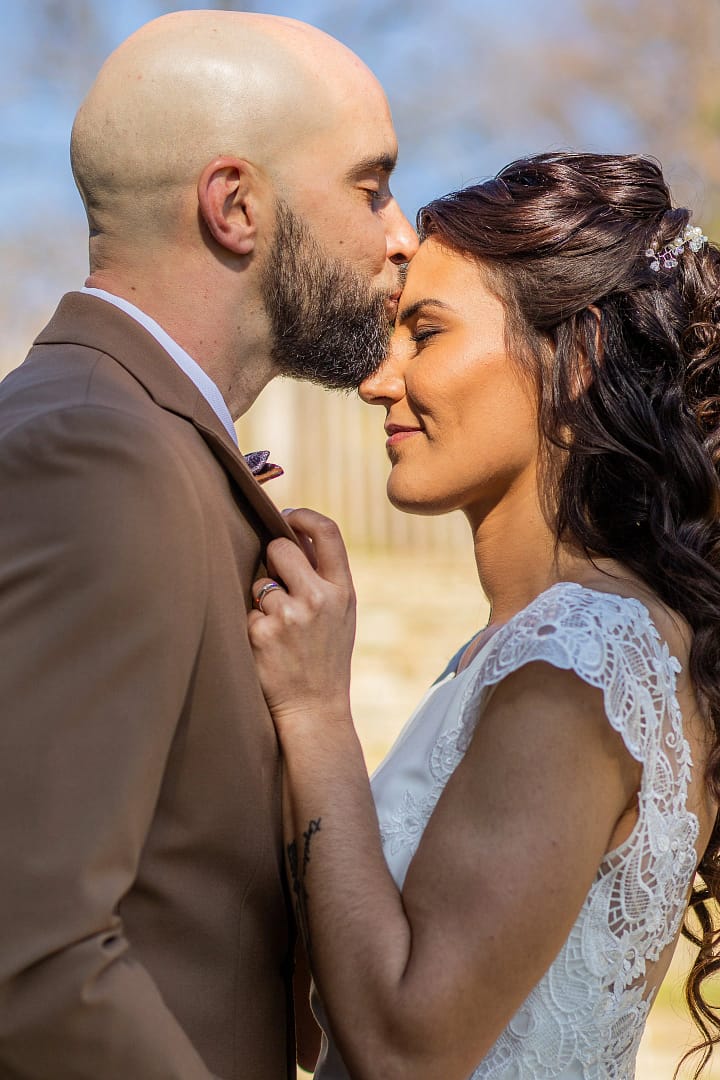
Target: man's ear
<point>226,195</point>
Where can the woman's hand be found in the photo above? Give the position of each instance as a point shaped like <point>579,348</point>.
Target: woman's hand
<point>303,636</point>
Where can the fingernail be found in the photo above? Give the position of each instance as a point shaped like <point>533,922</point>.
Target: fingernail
<point>288,510</point>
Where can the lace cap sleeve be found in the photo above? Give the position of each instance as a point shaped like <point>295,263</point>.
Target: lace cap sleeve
<point>609,641</point>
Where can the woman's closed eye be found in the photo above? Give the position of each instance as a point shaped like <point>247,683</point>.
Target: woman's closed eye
<point>423,334</point>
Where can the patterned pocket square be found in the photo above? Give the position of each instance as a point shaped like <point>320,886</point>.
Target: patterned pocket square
<point>262,469</point>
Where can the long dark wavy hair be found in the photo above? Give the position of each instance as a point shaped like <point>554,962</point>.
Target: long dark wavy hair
<point>631,410</point>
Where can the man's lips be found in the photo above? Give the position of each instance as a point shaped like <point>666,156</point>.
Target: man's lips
<point>397,433</point>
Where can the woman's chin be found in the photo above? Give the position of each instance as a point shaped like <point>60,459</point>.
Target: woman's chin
<point>410,501</point>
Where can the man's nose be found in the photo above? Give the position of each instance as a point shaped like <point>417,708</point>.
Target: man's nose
<point>402,239</point>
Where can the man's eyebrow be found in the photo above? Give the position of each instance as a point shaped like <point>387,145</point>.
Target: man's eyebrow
<point>383,163</point>
<point>428,301</point>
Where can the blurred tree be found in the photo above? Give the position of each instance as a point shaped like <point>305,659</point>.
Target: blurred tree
<point>656,63</point>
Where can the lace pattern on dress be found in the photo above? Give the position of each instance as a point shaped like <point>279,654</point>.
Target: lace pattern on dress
<point>407,822</point>
<point>588,1012</point>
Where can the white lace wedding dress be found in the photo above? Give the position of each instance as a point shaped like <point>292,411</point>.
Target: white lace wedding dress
<point>585,1018</point>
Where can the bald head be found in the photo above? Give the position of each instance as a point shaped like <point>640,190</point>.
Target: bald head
<point>191,87</point>
<point>202,134</point>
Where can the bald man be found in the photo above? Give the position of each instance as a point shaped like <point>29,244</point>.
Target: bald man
<point>235,171</point>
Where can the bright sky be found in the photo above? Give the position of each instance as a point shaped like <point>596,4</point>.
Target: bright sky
<point>455,72</point>
<point>420,41</point>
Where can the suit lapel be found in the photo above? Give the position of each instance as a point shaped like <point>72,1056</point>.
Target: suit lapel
<point>88,320</point>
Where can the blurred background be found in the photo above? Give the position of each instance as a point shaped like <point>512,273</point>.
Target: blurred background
<point>472,84</point>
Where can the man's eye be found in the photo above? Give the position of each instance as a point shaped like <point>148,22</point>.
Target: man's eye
<point>377,196</point>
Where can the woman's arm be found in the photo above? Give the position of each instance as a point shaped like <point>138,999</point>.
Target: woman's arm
<point>307,1031</point>
<point>420,984</point>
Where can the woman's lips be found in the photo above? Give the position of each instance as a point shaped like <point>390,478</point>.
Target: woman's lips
<point>397,434</point>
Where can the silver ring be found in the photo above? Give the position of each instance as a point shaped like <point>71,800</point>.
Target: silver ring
<point>267,587</point>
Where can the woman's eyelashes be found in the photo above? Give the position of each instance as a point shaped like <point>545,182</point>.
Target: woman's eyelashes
<point>424,333</point>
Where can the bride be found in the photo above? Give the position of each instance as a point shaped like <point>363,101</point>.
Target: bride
<point>505,899</point>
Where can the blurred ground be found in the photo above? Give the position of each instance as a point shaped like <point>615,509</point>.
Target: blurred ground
<point>414,612</point>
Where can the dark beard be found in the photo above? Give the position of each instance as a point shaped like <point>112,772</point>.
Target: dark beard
<point>329,326</point>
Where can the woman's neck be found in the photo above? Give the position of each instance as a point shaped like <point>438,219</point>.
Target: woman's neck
<point>516,554</point>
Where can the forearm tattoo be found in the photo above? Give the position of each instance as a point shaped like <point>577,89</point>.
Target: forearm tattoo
<point>298,874</point>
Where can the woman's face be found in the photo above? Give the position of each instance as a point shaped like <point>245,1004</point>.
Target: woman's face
<point>461,416</point>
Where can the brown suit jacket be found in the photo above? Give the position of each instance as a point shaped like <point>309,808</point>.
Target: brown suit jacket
<point>144,929</point>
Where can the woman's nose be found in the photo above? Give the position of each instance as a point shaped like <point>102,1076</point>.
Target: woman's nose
<point>385,385</point>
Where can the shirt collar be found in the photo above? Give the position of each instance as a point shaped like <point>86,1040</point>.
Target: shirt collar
<point>192,369</point>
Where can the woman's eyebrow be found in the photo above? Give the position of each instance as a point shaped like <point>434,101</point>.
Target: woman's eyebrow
<point>428,301</point>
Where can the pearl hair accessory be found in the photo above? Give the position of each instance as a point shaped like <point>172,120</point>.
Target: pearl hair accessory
<point>667,257</point>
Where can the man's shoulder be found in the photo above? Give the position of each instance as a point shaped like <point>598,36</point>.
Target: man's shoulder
<point>91,353</point>
<point>63,374</point>
<point>69,378</point>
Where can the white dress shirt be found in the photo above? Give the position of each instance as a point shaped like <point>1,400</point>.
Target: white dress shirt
<point>200,378</point>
